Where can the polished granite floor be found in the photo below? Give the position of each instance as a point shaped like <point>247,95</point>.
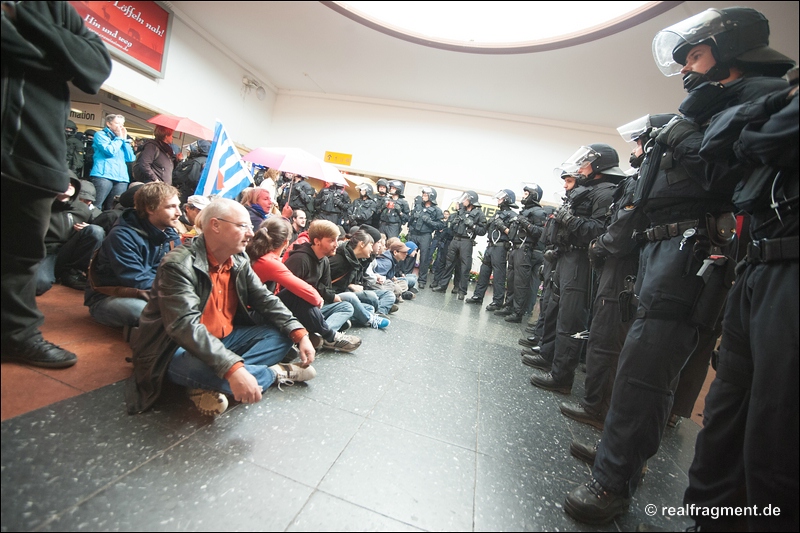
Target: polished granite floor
<point>431,425</point>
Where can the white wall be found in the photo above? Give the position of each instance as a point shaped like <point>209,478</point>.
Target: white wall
<point>448,147</point>
<point>202,83</point>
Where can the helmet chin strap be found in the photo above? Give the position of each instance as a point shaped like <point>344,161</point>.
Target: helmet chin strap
<point>718,72</point>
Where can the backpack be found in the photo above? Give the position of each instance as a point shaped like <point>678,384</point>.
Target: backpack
<point>186,175</point>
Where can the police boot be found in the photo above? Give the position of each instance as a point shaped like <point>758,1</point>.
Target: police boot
<point>438,288</point>
<point>546,381</point>
<point>578,412</point>
<point>531,341</point>
<point>493,307</point>
<point>591,503</point>
<point>515,318</point>
<point>474,300</point>
<point>506,311</point>
<point>536,361</point>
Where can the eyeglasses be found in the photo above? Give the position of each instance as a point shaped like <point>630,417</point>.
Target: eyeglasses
<point>240,226</point>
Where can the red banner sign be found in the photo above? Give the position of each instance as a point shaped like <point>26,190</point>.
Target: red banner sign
<point>135,32</point>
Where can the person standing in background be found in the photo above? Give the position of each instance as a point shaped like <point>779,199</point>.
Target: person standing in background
<point>112,152</point>
<point>45,45</point>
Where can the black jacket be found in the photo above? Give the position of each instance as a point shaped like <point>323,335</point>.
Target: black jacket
<point>42,50</point>
<point>63,215</point>
<point>304,264</point>
<point>346,268</point>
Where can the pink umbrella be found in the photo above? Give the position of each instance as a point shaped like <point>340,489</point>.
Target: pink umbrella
<point>296,161</point>
<point>183,125</point>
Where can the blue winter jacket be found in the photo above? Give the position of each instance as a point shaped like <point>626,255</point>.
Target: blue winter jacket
<point>130,255</point>
<point>111,155</point>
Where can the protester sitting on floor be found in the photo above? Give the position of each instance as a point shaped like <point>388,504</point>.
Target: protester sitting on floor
<point>309,262</point>
<point>199,328</point>
<point>88,195</point>
<point>70,242</point>
<point>258,203</point>
<point>193,206</point>
<point>387,264</point>
<point>346,271</point>
<point>124,267</point>
<point>264,250</point>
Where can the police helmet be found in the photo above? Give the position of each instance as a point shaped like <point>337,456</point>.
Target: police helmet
<point>382,183</point>
<point>364,189</point>
<point>736,35</point>
<point>602,158</point>
<point>472,196</point>
<point>505,197</point>
<point>644,126</point>
<point>431,192</point>
<point>535,193</point>
<point>397,185</point>
<point>70,128</point>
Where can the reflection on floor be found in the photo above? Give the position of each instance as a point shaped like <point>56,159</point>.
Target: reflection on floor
<point>430,425</point>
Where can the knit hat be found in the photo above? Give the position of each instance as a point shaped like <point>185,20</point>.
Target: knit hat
<point>412,246</point>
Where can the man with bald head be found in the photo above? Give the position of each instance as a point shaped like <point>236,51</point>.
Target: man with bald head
<point>212,326</point>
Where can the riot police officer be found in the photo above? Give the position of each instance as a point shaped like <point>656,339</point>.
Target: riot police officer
<point>394,211</point>
<point>466,223</point>
<point>595,170</point>
<point>300,194</point>
<point>725,60</point>
<point>363,208</point>
<point>380,197</point>
<point>426,218</point>
<point>332,203</point>
<point>524,233</point>
<point>749,437</point>
<point>616,255</point>
<point>75,148</point>
<point>495,257</point>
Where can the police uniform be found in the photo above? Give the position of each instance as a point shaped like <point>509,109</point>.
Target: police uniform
<point>465,225</point>
<point>495,256</point>
<point>424,220</point>
<point>332,204</point>
<point>750,436</point>
<point>394,212</point>
<point>524,235</point>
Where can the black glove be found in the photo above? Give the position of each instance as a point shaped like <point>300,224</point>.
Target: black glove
<point>676,131</point>
<point>563,216</point>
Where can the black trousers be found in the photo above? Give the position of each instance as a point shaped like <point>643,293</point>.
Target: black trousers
<point>459,259</point>
<point>390,229</point>
<point>659,342</point>
<point>75,254</point>
<point>607,334</point>
<point>537,260</point>
<point>495,259</point>
<point>746,453</point>
<point>308,315</point>
<point>548,312</point>
<point>26,216</point>
<point>574,276</point>
<point>423,241</point>
<point>519,279</point>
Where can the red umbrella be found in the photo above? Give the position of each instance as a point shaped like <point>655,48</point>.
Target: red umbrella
<point>183,125</point>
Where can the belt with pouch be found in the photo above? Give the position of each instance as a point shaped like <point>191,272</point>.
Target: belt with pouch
<point>663,232</point>
<point>771,250</point>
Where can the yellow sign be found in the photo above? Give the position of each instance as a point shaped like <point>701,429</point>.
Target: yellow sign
<point>338,159</point>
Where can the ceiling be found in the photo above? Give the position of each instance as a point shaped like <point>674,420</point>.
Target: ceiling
<point>308,47</point>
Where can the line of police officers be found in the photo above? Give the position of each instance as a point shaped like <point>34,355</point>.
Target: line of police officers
<point>662,245</point>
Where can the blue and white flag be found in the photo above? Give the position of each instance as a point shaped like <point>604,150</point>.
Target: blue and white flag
<point>225,174</point>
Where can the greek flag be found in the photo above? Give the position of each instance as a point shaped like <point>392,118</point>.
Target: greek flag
<point>225,174</point>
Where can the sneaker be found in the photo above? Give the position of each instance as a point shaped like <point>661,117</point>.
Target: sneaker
<point>209,402</point>
<point>414,290</point>
<point>394,308</point>
<point>342,343</point>
<point>38,352</point>
<point>290,374</point>
<point>347,325</point>
<point>316,340</point>
<point>378,322</point>
<point>408,295</point>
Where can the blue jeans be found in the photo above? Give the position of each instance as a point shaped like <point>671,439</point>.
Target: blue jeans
<point>262,347</point>
<point>411,279</point>
<point>117,312</point>
<point>380,299</point>
<point>106,191</point>
<point>362,312</point>
<point>337,313</point>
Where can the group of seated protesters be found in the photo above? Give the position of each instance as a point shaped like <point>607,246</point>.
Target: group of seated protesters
<point>160,273</point>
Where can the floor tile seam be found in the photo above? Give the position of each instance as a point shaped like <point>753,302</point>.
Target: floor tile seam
<point>459,446</point>
<point>367,509</point>
<point>96,492</point>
